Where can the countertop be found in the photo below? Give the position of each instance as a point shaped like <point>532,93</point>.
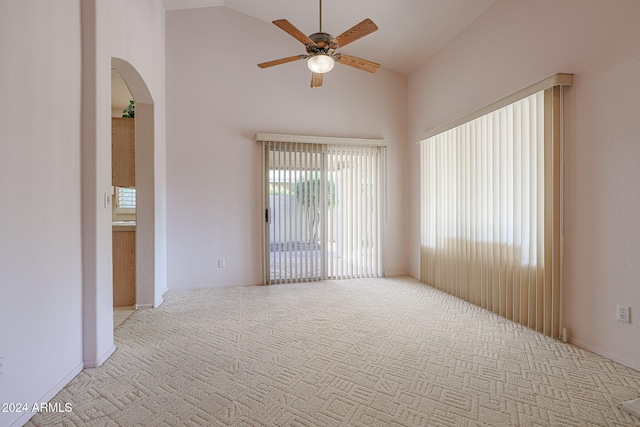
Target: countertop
<point>123,225</point>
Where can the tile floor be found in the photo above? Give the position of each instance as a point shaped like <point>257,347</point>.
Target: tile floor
<point>120,314</point>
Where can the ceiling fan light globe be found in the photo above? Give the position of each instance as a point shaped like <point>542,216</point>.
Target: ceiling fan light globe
<point>320,64</point>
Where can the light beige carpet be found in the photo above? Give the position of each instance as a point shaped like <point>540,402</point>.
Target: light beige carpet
<point>381,352</point>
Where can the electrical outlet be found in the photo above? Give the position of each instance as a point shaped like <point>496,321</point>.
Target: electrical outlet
<point>221,263</point>
<point>622,313</point>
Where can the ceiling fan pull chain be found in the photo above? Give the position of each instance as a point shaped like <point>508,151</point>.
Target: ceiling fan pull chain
<point>320,16</point>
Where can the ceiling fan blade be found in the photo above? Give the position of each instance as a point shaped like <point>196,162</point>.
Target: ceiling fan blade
<point>281,61</point>
<point>316,80</point>
<point>359,63</point>
<point>356,32</point>
<point>293,31</point>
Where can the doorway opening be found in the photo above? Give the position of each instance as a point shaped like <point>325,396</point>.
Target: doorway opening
<point>150,244</point>
<point>134,188</point>
<point>123,196</point>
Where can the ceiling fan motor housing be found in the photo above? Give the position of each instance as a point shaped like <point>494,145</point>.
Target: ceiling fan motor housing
<point>324,44</point>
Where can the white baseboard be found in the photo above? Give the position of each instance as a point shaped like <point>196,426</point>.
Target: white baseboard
<point>143,306</point>
<point>160,298</point>
<point>633,364</point>
<point>99,361</point>
<point>214,286</point>
<point>26,416</point>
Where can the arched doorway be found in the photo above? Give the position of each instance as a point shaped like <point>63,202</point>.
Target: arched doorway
<point>98,343</point>
<point>145,197</point>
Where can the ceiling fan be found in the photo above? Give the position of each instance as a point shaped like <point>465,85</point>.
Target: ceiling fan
<point>321,49</point>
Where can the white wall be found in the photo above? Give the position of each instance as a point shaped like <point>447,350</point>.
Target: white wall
<point>217,99</point>
<point>40,233</point>
<point>518,43</point>
<point>48,331</point>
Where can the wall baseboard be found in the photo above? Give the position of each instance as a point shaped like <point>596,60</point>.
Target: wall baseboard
<point>628,363</point>
<point>160,298</point>
<point>99,361</point>
<point>26,416</point>
<point>214,286</point>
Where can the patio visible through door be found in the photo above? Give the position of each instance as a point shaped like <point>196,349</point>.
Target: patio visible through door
<point>322,211</point>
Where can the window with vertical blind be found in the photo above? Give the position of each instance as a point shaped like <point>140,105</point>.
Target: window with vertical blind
<point>323,200</point>
<point>491,207</point>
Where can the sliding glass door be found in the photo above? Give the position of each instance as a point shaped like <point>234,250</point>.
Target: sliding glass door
<point>295,212</point>
<point>322,211</point>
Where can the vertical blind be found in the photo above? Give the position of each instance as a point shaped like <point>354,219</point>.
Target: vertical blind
<point>323,204</point>
<point>490,211</point>
<point>293,203</point>
<point>354,233</point>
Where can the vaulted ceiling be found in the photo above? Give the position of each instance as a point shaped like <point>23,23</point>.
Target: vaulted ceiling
<point>410,31</point>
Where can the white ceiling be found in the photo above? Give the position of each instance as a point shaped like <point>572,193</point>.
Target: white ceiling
<point>410,31</point>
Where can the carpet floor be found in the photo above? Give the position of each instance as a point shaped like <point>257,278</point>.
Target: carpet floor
<point>374,352</point>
